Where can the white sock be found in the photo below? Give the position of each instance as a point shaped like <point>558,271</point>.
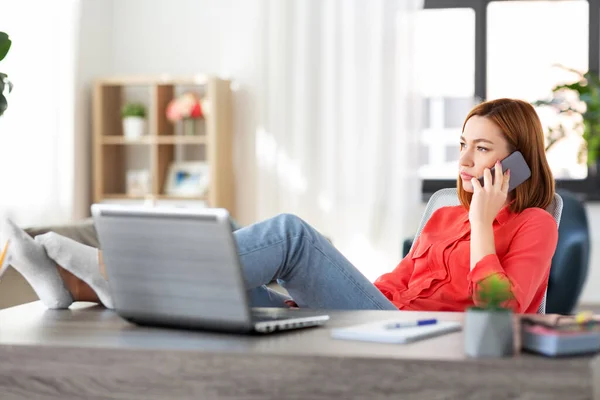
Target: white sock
<point>32,262</point>
<point>78,259</point>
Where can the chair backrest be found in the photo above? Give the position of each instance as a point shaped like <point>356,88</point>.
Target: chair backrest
<point>570,263</point>
<point>449,197</point>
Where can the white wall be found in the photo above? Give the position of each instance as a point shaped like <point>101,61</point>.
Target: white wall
<point>198,36</point>
<point>94,58</point>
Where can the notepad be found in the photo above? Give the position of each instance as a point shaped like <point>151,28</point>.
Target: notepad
<point>377,332</point>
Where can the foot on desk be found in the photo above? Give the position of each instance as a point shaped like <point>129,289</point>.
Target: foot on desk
<point>32,262</point>
<point>80,260</point>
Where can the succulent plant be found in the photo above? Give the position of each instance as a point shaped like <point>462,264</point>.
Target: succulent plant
<point>493,293</point>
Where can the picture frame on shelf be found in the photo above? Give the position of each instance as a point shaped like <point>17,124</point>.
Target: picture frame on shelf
<point>138,182</point>
<point>187,179</point>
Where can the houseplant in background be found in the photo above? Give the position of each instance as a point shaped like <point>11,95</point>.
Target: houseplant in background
<point>489,326</point>
<point>134,120</point>
<point>189,108</point>
<point>5,85</point>
<point>580,99</point>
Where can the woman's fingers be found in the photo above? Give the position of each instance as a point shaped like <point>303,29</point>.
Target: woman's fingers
<point>498,178</point>
<point>487,178</point>
<point>476,184</point>
<point>506,181</point>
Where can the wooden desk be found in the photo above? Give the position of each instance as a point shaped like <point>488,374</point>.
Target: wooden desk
<point>88,352</point>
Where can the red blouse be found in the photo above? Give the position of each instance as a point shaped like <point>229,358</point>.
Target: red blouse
<point>436,275</point>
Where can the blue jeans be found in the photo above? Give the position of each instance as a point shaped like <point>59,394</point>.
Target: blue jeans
<point>288,250</point>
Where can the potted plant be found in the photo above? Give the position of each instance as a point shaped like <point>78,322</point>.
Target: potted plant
<point>489,326</point>
<point>5,85</point>
<point>581,99</point>
<point>134,120</point>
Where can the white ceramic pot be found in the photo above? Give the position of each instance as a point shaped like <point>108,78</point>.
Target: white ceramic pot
<point>488,333</point>
<point>134,127</point>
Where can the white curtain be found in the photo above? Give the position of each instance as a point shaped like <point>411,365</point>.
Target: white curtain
<point>37,132</point>
<point>337,139</point>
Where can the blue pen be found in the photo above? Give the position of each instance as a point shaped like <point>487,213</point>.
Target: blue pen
<point>409,324</point>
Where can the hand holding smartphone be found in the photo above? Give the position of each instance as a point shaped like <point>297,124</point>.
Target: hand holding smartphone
<point>519,170</point>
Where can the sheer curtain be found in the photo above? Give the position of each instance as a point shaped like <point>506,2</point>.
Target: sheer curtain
<point>337,139</point>
<point>37,132</point>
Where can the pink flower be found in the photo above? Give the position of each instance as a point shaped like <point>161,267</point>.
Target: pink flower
<point>173,112</point>
<point>187,105</point>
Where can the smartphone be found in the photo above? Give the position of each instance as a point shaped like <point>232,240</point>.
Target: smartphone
<point>519,170</point>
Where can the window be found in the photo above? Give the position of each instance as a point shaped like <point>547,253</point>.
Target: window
<point>446,100</point>
<point>522,62</point>
<point>507,49</point>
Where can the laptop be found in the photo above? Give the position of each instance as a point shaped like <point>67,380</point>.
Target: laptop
<point>179,267</point>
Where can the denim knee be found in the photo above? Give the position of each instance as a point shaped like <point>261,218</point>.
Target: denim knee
<point>291,224</point>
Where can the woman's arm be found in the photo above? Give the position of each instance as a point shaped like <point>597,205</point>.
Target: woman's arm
<point>482,242</point>
<point>527,263</point>
<point>486,202</point>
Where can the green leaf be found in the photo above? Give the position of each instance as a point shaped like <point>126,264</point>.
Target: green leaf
<point>133,110</point>
<point>586,106</point>
<point>576,86</point>
<point>494,292</point>
<point>3,104</point>
<point>5,43</point>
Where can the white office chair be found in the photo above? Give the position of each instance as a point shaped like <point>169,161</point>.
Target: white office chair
<point>449,197</point>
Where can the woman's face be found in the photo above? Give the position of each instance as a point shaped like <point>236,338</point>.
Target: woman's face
<point>481,145</point>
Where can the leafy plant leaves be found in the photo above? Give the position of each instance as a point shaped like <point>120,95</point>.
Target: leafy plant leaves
<point>5,43</point>
<point>587,105</point>
<point>494,293</point>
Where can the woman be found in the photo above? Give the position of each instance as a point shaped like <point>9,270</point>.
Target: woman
<point>493,232</point>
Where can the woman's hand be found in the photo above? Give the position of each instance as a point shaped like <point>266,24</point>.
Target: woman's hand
<point>488,200</point>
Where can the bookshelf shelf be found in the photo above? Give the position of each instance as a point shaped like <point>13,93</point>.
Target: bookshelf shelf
<point>154,139</point>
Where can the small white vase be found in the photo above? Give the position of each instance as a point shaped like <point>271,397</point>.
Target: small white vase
<point>489,333</point>
<point>133,127</point>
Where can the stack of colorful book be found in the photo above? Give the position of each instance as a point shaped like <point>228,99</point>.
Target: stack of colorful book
<point>554,335</point>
